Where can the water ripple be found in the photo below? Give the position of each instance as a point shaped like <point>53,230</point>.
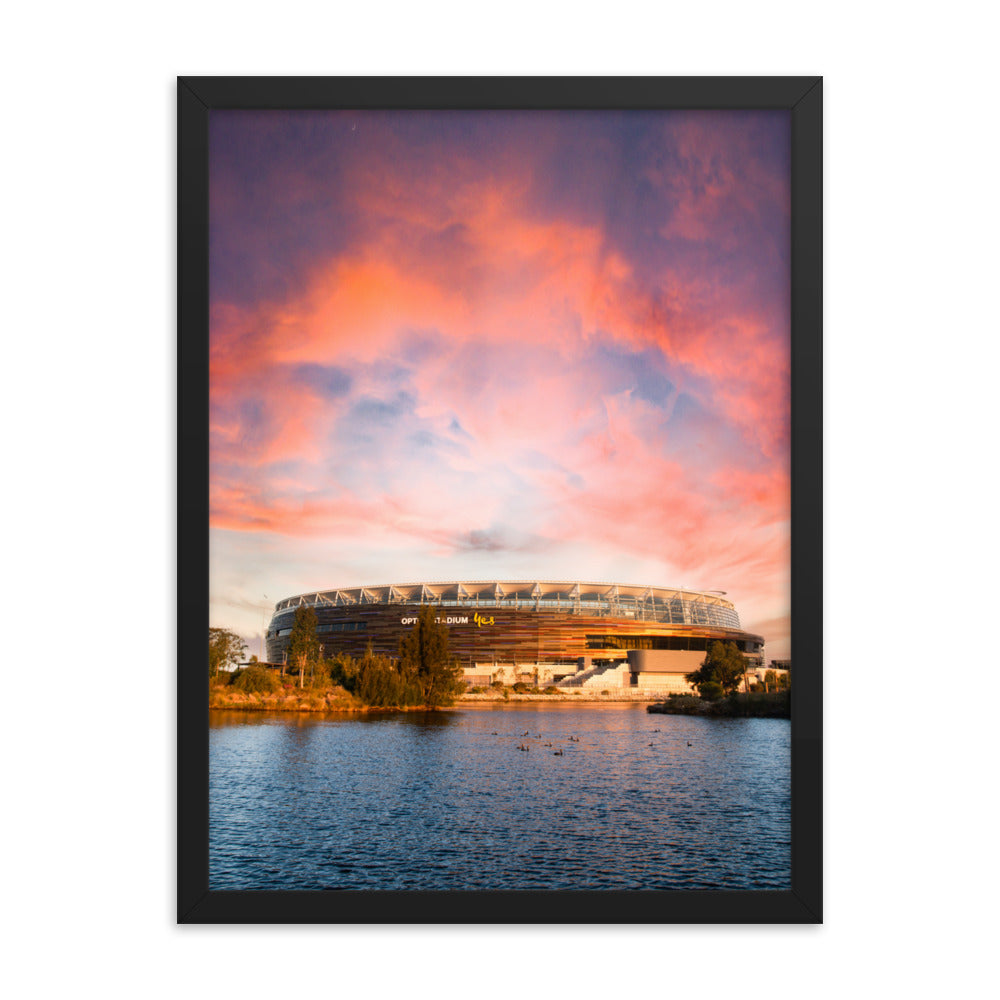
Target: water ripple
<point>436,801</point>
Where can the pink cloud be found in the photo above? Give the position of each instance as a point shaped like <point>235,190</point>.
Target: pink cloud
<point>473,325</point>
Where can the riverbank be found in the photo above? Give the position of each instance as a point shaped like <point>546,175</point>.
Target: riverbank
<point>493,699</point>
<point>770,705</point>
<point>336,699</point>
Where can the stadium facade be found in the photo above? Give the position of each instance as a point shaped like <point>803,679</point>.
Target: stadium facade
<point>572,634</point>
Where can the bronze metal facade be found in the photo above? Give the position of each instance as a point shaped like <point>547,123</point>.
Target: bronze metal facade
<point>492,631</point>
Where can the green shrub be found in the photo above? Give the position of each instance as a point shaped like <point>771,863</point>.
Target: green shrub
<point>684,703</point>
<point>380,682</point>
<point>256,680</point>
<point>343,670</point>
<point>605,691</point>
<point>551,690</point>
<point>710,690</point>
<point>322,674</point>
<point>476,690</point>
<point>772,704</point>
<point>521,688</point>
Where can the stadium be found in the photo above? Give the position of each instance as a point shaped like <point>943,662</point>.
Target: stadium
<point>570,634</point>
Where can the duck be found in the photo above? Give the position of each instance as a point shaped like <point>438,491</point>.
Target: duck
<point>557,753</point>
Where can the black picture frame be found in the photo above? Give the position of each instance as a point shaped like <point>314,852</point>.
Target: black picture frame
<point>196,98</point>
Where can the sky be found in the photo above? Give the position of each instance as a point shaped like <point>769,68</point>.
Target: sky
<point>499,345</point>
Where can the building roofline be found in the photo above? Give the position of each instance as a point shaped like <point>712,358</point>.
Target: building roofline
<point>537,588</point>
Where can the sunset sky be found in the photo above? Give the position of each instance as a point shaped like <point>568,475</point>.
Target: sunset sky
<point>499,345</point>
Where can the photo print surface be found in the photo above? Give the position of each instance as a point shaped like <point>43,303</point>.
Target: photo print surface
<point>530,370</point>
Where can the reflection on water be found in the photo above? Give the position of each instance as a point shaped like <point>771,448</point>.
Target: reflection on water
<point>447,801</point>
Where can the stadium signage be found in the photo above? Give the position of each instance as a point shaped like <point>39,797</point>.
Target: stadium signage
<point>457,620</point>
<point>480,620</point>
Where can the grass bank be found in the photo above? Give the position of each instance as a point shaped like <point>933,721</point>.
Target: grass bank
<point>300,700</point>
<point>759,705</point>
<point>336,699</point>
<point>269,693</point>
<point>287,699</point>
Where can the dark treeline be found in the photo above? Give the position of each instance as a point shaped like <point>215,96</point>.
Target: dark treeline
<point>377,680</point>
<point>762,705</point>
<point>374,680</point>
<point>425,674</point>
<point>406,682</point>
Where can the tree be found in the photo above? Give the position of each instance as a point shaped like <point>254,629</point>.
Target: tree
<point>225,649</point>
<point>256,679</point>
<point>724,665</point>
<point>424,660</point>
<point>303,645</point>
<point>344,670</point>
<point>379,682</point>
<point>710,690</point>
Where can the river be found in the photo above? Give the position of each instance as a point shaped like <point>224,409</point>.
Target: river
<point>446,800</point>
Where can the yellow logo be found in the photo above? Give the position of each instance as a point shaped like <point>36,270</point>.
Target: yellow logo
<point>481,620</point>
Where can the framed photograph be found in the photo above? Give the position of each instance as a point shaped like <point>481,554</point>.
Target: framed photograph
<point>500,500</point>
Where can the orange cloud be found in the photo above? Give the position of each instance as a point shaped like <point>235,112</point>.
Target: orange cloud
<point>445,380</point>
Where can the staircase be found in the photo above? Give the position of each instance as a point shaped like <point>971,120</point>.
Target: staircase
<point>607,675</point>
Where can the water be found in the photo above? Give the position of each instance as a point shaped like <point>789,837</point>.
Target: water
<point>435,801</point>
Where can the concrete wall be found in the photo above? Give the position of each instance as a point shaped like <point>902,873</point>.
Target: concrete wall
<point>664,661</point>
<point>663,683</point>
<point>663,670</point>
<point>510,673</point>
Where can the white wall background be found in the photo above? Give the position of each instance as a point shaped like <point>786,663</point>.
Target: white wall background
<point>88,414</point>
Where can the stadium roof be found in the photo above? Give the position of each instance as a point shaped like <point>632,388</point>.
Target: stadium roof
<point>475,591</point>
